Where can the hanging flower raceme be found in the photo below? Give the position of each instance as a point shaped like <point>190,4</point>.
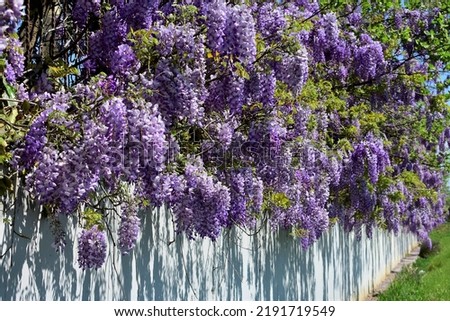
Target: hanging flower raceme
<point>203,207</point>
<point>369,59</point>
<point>10,15</point>
<point>91,248</point>
<point>123,61</point>
<point>240,34</point>
<point>15,61</point>
<point>128,229</point>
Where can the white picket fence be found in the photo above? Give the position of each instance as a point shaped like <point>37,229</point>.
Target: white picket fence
<point>266,266</point>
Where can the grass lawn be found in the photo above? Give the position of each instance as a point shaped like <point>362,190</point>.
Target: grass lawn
<point>428,279</point>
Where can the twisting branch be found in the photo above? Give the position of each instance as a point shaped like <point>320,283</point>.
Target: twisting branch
<point>15,126</point>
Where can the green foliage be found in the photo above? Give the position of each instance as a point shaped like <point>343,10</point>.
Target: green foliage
<point>241,71</point>
<point>310,94</point>
<point>299,232</point>
<point>91,218</point>
<point>372,121</point>
<point>413,181</point>
<point>351,131</point>
<point>145,43</point>
<point>345,145</point>
<point>186,13</point>
<point>12,128</point>
<point>59,132</point>
<point>384,182</point>
<point>7,220</point>
<point>282,95</point>
<point>60,69</point>
<point>280,200</point>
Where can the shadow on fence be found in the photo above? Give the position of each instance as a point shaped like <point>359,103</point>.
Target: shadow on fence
<point>267,266</point>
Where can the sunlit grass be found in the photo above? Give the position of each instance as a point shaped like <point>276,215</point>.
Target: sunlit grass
<point>429,278</point>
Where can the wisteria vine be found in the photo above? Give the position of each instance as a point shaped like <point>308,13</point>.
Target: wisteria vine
<point>236,114</point>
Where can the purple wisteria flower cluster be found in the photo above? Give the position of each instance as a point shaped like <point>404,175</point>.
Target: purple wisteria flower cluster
<point>128,229</point>
<point>84,8</point>
<point>10,15</point>
<point>91,248</point>
<point>11,47</point>
<point>15,63</point>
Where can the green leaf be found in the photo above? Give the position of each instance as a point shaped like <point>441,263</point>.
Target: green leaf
<point>384,182</point>
<point>5,157</point>
<point>396,196</point>
<point>60,69</point>
<point>13,115</point>
<point>92,218</point>
<point>298,232</point>
<point>280,200</point>
<point>241,71</point>
<point>351,131</point>
<point>7,220</point>
<point>3,142</point>
<point>411,179</point>
<point>260,44</point>
<point>9,89</point>
<point>345,145</point>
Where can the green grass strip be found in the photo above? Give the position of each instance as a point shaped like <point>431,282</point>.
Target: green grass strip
<point>428,279</point>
